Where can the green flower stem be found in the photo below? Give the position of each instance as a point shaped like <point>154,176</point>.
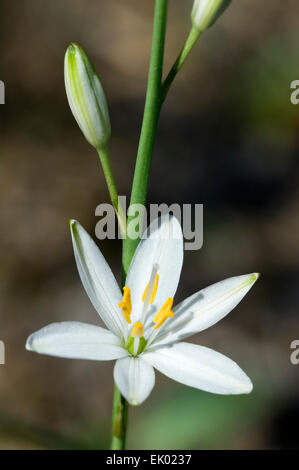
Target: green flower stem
<point>140,184</point>
<point>119,421</point>
<point>155,96</point>
<point>103,153</point>
<point>149,124</point>
<point>189,44</point>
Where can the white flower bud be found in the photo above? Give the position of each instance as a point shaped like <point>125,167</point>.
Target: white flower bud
<point>86,96</point>
<point>206,12</point>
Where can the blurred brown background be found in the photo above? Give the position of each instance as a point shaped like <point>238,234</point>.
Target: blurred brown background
<point>228,138</point>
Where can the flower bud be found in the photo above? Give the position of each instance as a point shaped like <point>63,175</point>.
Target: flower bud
<point>206,12</point>
<point>86,96</point>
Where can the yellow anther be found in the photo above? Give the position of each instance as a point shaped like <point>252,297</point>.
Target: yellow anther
<point>126,304</point>
<point>154,290</point>
<point>137,331</point>
<point>164,313</point>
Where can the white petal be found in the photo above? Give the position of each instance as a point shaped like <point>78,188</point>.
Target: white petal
<point>200,367</point>
<point>163,246</point>
<point>134,378</point>
<point>98,279</point>
<point>76,340</point>
<point>205,308</point>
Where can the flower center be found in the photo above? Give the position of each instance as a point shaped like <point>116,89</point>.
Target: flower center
<point>136,342</point>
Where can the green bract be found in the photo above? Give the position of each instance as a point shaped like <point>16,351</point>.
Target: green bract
<point>206,12</point>
<point>86,96</point>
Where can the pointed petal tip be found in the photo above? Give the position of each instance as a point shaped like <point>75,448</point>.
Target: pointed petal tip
<point>134,402</point>
<point>245,384</point>
<point>254,277</point>
<point>248,387</point>
<point>73,225</point>
<point>28,345</point>
<point>70,51</point>
<point>72,47</point>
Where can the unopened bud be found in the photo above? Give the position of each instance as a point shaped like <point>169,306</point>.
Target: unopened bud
<point>86,96</point>
<point>206,12</point>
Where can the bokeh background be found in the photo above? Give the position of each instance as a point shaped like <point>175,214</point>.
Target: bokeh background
<point>228,138</point>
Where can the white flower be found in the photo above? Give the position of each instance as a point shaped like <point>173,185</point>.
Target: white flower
<point>143,329</point>
<point>206,12</point>
<point>86,96</point>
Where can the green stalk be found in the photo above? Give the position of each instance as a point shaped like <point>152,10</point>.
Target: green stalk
<point>103,153</point>
<point>140,184</point>
<point>119,421</point>
<point>155,96</point>
<point>189,44</point>
<point>120,405</point>
<point>149,124</point>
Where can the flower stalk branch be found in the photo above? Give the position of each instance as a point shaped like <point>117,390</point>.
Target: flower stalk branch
<point>192,38</point>
<point>104,157</point>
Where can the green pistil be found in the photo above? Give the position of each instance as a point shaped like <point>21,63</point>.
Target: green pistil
<point>130,345</point>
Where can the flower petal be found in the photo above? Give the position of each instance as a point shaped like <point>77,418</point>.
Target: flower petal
<point>134,378</point>
<point>162,246</point>
<point>97,279</point>
<point>205,308</point>
<point>76,340</point>
<point>200,367</point>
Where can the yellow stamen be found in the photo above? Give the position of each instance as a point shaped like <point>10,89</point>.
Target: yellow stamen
<point>126,304</point>
<point>137,331</point>
<point>164,313</point>
<point>154,290</point>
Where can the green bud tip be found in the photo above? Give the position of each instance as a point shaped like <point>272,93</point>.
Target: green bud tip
<point>206,12</point>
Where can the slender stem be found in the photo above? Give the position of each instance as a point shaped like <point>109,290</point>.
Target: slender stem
<point>150,122</point>
<point>106,165</point>
<point>103,153</point>
<point>120,405</point>
<point>189,44</point>
<point>140,183</point>
<point>155,96</point>
<point>119,421</point>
